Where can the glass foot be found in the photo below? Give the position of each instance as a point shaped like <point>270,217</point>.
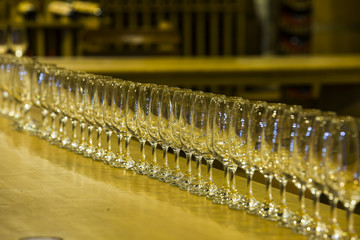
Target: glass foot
<point>285,216</point>
<point>268,211</point>
<point>301,223</point>
<point>236,201</point>
<point>196,187</point>
<point>210,190</point>
<point>163,174</point>
<point>222,196</point>
<point>108,158</point>
<point>251,205</point>
<point>153,170</point>
<point>334,232</point>
<point>99,154</point>
<point>175,177</point>
<point>185,181</point>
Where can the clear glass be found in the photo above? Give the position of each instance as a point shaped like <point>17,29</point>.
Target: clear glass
<point>302,222</point>
<point>238,137</point>
<point>89,91</point>
<point>282,165</point>
<point>342,167</point>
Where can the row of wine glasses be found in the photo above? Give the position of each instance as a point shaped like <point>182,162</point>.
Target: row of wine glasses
<point>313,149</point>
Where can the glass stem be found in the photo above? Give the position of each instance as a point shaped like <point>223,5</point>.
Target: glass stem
<point>73,129</point>
<point>82,132</point>
<point>283,183</point>
<point>165,157</point>
<point>176,159</point>
<point>127,146</point>
<point>44,122</point>
<point>98,137</point>
<point>316,204</point>
<point>209,164</point>
<point>232,171</point>
<point>53,123</point>
<point>333,210</point>
<point>268,179</point>
<point>198,166</point>
<point>153,153</point>
<point>350,220</point>
<point>90,130</point>
<point>249,175</point>
<point>188,163</point>
<point>108,138</point>
<point>142,152</point>
<point>119,143</point>
<point>226,175</point>
<point>302,199</point>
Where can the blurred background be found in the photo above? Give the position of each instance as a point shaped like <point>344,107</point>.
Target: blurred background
<point>195,28</point>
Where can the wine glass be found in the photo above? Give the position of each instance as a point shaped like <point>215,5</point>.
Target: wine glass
<point>315,174</point>
<point>257,117</point>
<point>118,119</point>
<point>132,112</point>
<point>38,84</point>
<point>342,167</point>
<point>98,112</point>
<point>18,40</point>
<point>269,154</point>
<point>153,120</point>
<point>142,125</point>
<point>185,136</point>
<point>238,137</point>
<point>282,163</point>
<point>111,86</point>
<point>174,100</point>
<point>21,88</point>
<point>200,110</point>
<point>301,220</point>
<point>89,90</point>
<point>220,145</point>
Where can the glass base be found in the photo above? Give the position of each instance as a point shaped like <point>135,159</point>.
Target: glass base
<point>175,177</point>
<point>301,223</point>
<point>141,168</point>
<point>89,151</point>
<point>210,190</point>
<point>108,158</point>
<point>222,196</point>
<point>73,146</point>
<point>318,230</point>
<point>236,201</point>
<point>163,174</point>
<point>268,210</point>
<point>185,181</point>
<point>334,232</point>
<point>153,170</point>
<point>99,154</point>
<point>196,187</point>
<point>251,205</point>
<point>285,216</point>
<point>81,148</point>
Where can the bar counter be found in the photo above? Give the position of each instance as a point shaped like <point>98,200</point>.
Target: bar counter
<point>48,191</point>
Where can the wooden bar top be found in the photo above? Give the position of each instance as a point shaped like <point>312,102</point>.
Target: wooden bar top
<point>48,191</point>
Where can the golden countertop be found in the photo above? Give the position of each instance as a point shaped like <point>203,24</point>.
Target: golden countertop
<point>48,191</point>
